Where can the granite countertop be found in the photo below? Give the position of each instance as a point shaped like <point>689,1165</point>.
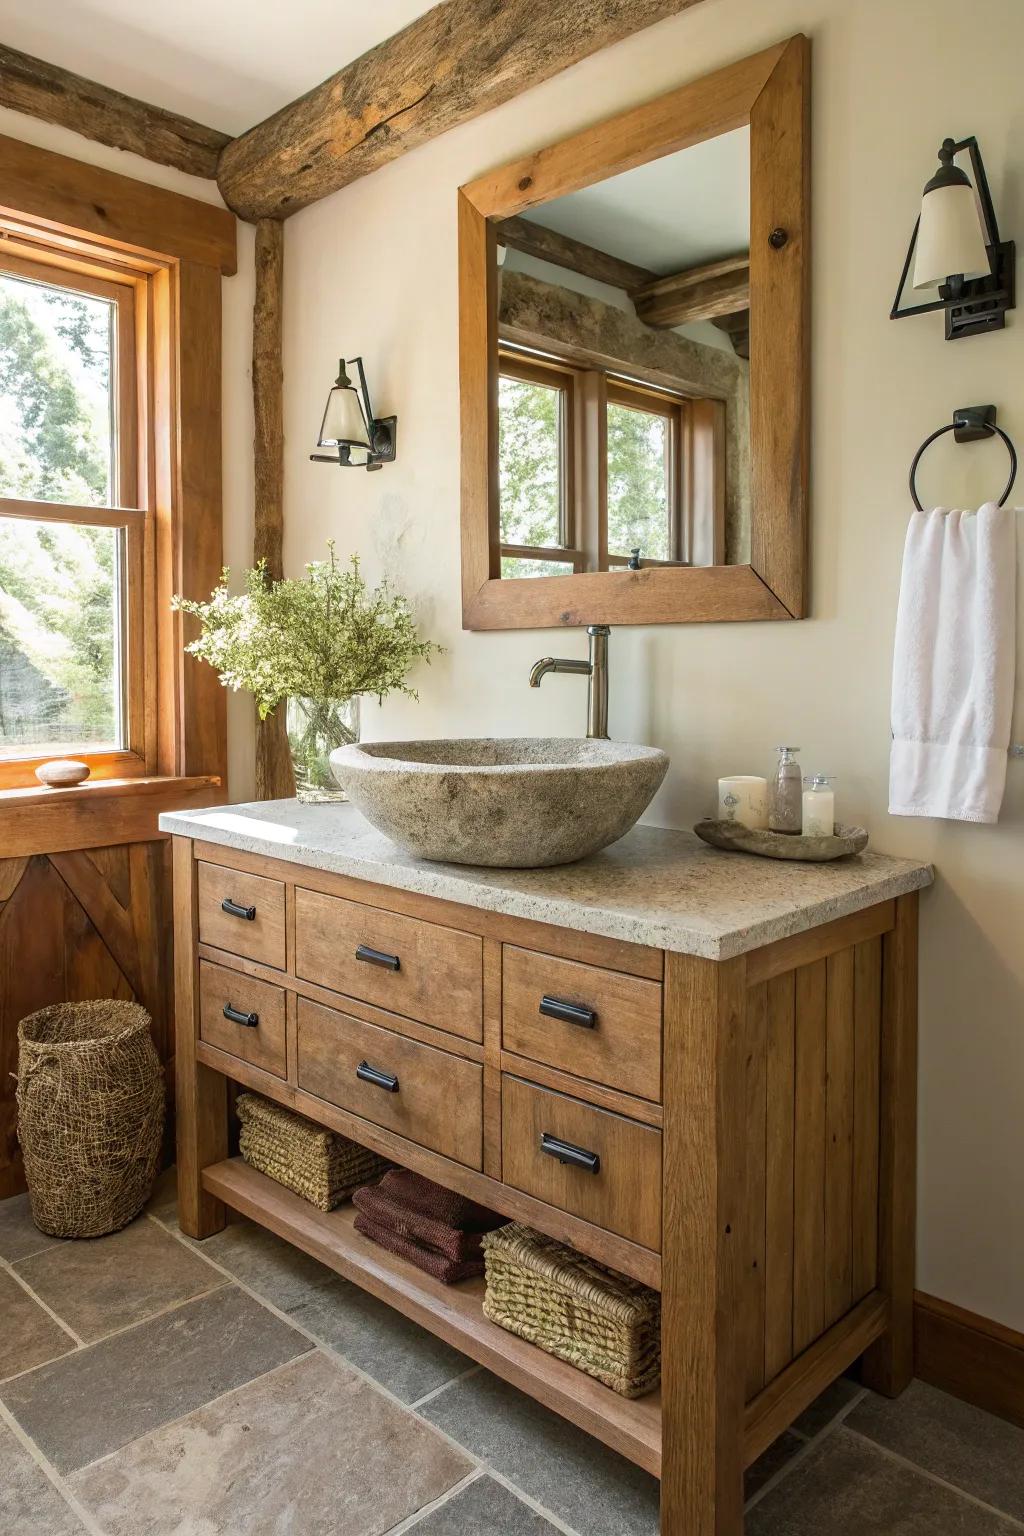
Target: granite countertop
<point>656,886</point>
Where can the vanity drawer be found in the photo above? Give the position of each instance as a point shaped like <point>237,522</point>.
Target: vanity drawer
<point>259,1037</point>
<point>427,972</point>
<point>243,914</point>
<point>615,1177</point>
<point>593,1023</point>
<point>421,1093</point>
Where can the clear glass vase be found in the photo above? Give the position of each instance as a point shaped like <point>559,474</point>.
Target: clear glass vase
<point>315,727</point>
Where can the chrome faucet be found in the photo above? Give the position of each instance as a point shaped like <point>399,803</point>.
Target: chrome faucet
<point>596,669</point>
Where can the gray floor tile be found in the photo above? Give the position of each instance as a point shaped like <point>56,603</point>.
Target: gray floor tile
<point>954,1440</point>
<point>824,1410</point>
<point>110,1282</point>
<point>403,1357</point>
<point>29,1503</point>
<point>266,1263</point>
<point>28,1334</point>
<point>163,1202</point>
<point>778,1454</point>
<point>848,1487</point>
<point>96,1400</point>
<point>485,1508</point>
<point>19,1235</point>
<point>574,1476</point>
<point>312,1450</point>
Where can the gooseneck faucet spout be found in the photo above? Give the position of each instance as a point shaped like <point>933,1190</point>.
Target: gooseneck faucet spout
<point>596,669</point>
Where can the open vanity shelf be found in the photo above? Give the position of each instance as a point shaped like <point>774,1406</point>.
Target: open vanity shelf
<point>453,1312</point>
<point>752,1115</point>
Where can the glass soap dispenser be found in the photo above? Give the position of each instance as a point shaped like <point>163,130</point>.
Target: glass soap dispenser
<point>786,812</point>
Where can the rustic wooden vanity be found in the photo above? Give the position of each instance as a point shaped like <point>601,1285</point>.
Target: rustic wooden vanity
<point>720,1051</point>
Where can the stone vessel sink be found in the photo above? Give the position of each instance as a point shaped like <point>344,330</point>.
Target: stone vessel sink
<point>519,803</point>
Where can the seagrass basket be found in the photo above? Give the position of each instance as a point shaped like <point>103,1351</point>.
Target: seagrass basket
<point>572,1307</point>
<point>319,1165</point>
<point>90,1115</point>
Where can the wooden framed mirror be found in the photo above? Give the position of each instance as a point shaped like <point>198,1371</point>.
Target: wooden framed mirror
<point>634,359</point>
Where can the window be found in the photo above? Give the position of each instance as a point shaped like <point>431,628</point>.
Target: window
<point>72,528</point>
<point>592,468</point>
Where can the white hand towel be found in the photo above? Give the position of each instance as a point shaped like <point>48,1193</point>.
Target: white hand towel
<point>953,669</point>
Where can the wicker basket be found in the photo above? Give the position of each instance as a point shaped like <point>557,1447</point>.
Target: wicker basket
<point>570,1306</point>
<point>90,1115</point>
<point>318,1165</point>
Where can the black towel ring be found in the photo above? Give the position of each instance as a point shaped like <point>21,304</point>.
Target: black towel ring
<point>970,424</point>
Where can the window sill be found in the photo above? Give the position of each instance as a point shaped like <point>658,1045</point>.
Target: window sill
<point>97,814</point>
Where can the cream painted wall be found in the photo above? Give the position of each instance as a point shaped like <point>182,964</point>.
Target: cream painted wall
<point>372,270</point>
<point>237,392</point>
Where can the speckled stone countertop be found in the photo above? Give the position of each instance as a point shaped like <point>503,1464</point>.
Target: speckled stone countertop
<point>656,886</point>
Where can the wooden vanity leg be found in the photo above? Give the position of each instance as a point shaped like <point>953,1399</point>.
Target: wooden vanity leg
<point>201,1096</point>
<point>888,1365</point>
<point>703,1190</point>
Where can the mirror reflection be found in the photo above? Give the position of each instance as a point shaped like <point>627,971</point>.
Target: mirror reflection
<point>623,370</point>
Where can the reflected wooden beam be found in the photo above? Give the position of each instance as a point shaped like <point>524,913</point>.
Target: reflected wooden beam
<point>548,245</point>
<point>109,117</point>
<point>456,61</point>
<point>737,328</point>
<point>699,293</point>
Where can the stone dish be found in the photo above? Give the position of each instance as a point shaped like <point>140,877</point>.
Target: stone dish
<point>783,845</point>
<point>520,803</point>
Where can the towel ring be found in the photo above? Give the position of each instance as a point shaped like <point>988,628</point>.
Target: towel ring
<point>970,424</point>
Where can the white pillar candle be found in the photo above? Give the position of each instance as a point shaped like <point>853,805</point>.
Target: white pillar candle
<point>743,797</point>
<point>819,807</point>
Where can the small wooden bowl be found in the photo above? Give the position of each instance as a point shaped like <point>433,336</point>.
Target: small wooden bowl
<point>62,773</point>
<point>737,838</point>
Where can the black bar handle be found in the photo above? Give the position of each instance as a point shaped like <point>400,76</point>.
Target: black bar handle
<point>378,957</point>
<point>233,909</point>
<point>385,1080</point>
<point>579,1157</point>
<point>250,1020</point>
<point>569,1013</point>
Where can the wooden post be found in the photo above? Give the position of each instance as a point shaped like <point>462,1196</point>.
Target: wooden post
<point>703,1202</point>
<point>274,778</point>
<point>201,1095</point>
<point>888,1365</point>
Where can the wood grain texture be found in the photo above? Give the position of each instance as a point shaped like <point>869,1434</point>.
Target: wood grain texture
<point>623,1196</point>
<point>621,1050</point>
<point>453,1313</point>
<point>644,1110</point>
<point>700,293</point>
<point>889,1365</point>
<point>818,943</point>
<point>779,1173</point>
<point>753,1232</point>
<point>439,1102</point>
<point>809,1156</point>
<point>109,117</point>
<point>575,255</point>
<point>704,1199</point>
<point>439,976</point>
<point>263,1046</point>
<point>492,990</point>
<point>97,814</point>
<point>867,1023</point>
<point>459,59</point>
<point>971,1356</point>
<point>55,193</point>
<point>839,1113</point>
<point>261,937</point>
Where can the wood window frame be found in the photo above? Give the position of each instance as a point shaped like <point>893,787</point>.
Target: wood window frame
<point>770,92</point>
<point>172,252</point>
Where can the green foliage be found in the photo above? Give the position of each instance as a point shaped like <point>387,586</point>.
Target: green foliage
<point>325,637</point>
<point>637,500</point>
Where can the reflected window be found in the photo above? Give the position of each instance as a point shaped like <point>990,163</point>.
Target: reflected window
<point>535,479</point>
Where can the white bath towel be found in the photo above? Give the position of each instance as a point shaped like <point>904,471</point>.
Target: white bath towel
<point>953,669</point>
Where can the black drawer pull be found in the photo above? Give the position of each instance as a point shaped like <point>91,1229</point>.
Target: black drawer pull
<point>234,910</point>
<point>567,1153</point>
<point>250,1020</point>
<point>378,957</point>
<point>569,1013</point>
<point>368,1074</point>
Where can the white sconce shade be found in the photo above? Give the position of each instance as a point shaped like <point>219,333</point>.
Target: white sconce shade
<point>343,419</point>
<point>350,426</point>
<point>950,240</point>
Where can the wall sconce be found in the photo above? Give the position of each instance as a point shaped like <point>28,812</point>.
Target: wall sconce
<point>958,249</point>
<point>350,427</point>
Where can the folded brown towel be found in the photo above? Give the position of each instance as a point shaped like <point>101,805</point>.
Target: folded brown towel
<point>457,1246</point>
<point>428,1213</point>
<point>448,1271</point>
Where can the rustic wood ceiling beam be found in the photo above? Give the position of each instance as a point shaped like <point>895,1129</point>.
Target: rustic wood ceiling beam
<point>737,328</point>
<point>456,61</point>
<point>699,293</point>
<point>69,100</point>
<point>532,239</point>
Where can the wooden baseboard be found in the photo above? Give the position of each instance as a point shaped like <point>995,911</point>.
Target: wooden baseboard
<point>970,1356</point>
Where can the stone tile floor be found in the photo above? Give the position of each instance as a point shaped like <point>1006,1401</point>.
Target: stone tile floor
<point>150,1386</point>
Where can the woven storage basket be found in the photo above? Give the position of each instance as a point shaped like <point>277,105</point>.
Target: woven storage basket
<point>572,1307</point>
<point>318,1165</point>
<point>90,1115</point>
